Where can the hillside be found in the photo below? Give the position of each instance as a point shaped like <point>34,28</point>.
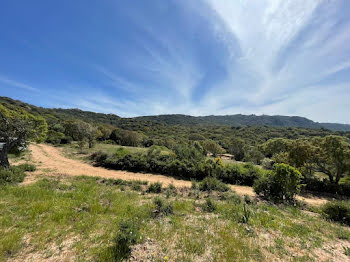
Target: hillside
<point>245,120</point>
<point>178,119</point>
<point>147,194</point>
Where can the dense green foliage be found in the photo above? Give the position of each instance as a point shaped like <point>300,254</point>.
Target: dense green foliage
<point>128,234</point>
<point>155,188</point>
<point>185,142</point>
<point>17,128</point>
<point>281,184</point>
<point>162,208</point>
<point>14,174</point>
<point>187,162</point>
<point>213,184</point>
<point>338,211</point>
<point>209,205</point>
<point>329,155</point>
<point>244,120</point>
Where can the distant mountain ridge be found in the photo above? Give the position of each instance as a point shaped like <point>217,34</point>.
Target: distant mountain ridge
<point>245,120</point>
<point>179,119</point>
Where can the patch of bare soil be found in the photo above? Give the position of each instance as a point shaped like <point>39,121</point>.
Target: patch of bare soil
<point>52,161</point>
<point>333,251</point>
<point>146,251</point>
<point>54,253</point>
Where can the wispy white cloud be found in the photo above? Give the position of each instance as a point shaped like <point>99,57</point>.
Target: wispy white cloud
<point>224,57</point>
<point>118,81</point>
<point>286,46</point>
<point>17,84</point>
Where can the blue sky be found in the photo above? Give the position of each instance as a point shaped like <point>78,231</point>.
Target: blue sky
<point>286,57</point>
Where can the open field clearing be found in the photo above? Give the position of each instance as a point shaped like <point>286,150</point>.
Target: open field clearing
<point>52,161</point>
<point>78,219</point>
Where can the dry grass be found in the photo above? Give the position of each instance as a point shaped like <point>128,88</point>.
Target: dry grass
<point>76,218</point>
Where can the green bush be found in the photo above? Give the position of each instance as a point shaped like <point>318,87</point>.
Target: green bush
<point>338,211</point>
<point>213,184</point>
<point>186,162</point>
<point>171,191</point>
<point>162,208</point>
<point>128,234</point>
<point>155,188</point>
<point>99,157</point>
<point>136,187</point>
<point>246,214</point>
<point>267,163</point>
<point>27,167</point>
<point>248,199</point>
<point>282,184</point>
<point>12,175</point>
<point>209,205</point>
<point>231,197</point>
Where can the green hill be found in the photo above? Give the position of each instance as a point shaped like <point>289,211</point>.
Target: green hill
<point>237,120</point>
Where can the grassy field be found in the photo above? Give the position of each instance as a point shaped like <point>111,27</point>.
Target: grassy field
<point>72,150</point>
<point>80,219</point>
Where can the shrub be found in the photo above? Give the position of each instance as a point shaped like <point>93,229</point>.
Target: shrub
<point>267,163</point>
<point>128,234</point>
<point>338,211</point>
<point>346,251</point>
<point>282,184</point>
<point>99,157</point>
<point>248,199</point>
<point>240,174</point>
<point>155,188</point>
<point>136,187</point>
<point>187,162</point>
<point>231,197</point>
<point>253,155</point>
<point>171,191</point>
<point>12,175</point>
<point>27,167</point>
<point>162,208</point>
<point>325,186</point>
<point>194,185</point>
<point>213,184</point>
<point>209,205</point>
<point>246,214</point>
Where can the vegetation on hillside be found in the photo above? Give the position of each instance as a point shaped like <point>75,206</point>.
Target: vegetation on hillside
<point>17,127</point>
<point>98,219</point>
<point>93,219</point>
<point>182,149</point>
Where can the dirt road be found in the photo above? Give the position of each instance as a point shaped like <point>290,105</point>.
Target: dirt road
<point>51,160</point>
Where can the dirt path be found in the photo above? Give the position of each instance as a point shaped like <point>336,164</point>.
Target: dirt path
<point>51,160</point>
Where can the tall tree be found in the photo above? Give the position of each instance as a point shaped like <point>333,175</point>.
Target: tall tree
<point>275,146</point>
<point>302,155</point>
<point>333,157</point>
<point>236,147</point>
<point>81,131</point>
<point>17,127</point>
<point>212,147</point>
<point>126,137</point>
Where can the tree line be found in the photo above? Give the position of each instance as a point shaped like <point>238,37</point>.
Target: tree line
<point>313,152</point>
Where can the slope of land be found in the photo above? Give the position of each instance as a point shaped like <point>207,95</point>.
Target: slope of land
<point>178,119</point>
<point>74,218</point>
<point>51,160</point>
